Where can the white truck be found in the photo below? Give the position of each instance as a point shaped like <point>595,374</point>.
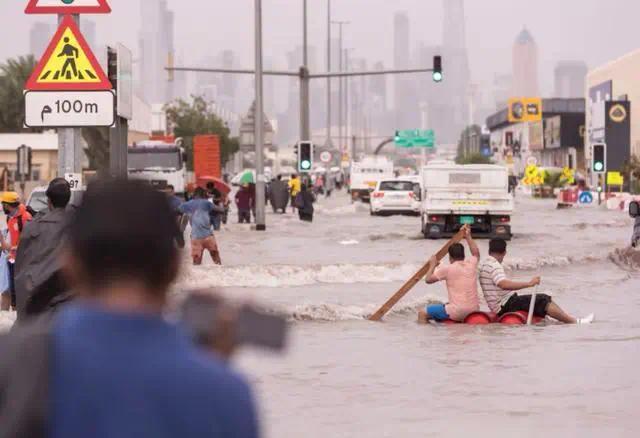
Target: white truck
<point>366,174</point>
<point>161,164</point>
<point>455,195</point>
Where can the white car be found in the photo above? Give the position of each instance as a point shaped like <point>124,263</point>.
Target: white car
<point>396,196</point>
<point>38,199</point>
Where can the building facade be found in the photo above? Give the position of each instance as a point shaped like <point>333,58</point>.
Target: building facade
<point>557,141</point>
<point>616,81</point>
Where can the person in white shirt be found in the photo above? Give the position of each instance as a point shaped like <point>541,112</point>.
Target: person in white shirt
<point>501,293</point>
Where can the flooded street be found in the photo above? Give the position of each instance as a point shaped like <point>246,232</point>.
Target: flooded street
<point>346,377</point>
<point>343,376</point>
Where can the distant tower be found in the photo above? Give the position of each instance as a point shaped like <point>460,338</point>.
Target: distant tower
<point>39,38</point>
<point>455,36</point>
<point>156,47</point>
<point>455,88</point>
<point>570,77</point>
<point>405,104</point>
<point>525,66</point>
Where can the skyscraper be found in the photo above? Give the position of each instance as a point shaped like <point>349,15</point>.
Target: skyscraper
<point>570,79</point>
<point>39,38</point>
<point>456,82</point>
<point>525,66</point>
<point>401,60</point>
<point>156,48</point>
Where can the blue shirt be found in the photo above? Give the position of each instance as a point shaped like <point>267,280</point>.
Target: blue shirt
<point>135,376</point>
<point>199,210</point>
<point>175,202</point>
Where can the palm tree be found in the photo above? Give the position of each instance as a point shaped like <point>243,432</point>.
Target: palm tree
<point>13,75</point>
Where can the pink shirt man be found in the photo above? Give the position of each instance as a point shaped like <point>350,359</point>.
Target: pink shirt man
<point>462,286</point>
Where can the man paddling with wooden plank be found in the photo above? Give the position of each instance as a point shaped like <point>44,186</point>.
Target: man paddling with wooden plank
<point>424,271</point>
<point>462,287</point>
<point>501,293</point>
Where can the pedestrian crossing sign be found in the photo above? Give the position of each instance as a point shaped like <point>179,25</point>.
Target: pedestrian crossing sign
<point>68,63</point>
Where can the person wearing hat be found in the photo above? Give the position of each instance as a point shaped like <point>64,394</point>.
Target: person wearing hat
<point>17,217</point>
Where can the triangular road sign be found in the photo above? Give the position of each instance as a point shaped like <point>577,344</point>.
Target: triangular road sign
<point>67,7</point>
<point>68,63</point>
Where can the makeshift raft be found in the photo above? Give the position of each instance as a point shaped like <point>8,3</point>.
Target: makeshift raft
<point>485,318</point>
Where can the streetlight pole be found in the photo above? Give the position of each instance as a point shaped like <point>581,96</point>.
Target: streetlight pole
<point>340,24</point>
<point>259,124</point>
<point>329,142</point>
<point>305,129</point>
<point>347,99</point>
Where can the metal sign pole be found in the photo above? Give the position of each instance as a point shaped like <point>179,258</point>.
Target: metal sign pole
<point>69,142</point>
<point>259,125</point>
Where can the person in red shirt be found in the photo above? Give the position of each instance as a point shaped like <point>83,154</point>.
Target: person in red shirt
<point>17,218</point>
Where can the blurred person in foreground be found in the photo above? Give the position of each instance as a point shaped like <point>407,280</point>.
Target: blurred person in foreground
<point>17,218</point>
<point>39,283</point>
<point>108,364</point>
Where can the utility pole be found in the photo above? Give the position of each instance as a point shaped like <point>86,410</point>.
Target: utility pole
<point>341,138</point>
<point>329,142</point>
<point>259,124</point>
<point>69,139</point>
<point>348,128</point>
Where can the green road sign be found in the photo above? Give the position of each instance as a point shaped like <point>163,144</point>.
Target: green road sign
<point>415,138</point>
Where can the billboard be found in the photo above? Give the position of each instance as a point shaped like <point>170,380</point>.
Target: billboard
<point>598,95</point>
<point>552,132</point>
<point>617,134</point>
<point>525,109</point>
<point>536,136</point>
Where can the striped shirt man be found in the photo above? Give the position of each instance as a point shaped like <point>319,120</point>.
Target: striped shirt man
<point>491,273</point>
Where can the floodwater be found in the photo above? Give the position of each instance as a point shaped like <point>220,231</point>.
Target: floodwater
<point>343,376</point>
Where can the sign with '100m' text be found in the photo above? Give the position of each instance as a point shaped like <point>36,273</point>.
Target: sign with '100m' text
<point>64,109</point>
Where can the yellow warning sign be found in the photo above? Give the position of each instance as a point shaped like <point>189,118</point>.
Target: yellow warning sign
<point>615,179</point>
<point>68,63</point>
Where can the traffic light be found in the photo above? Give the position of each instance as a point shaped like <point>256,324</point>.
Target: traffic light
<point>305,156</point>
<point>599,158</point>
<point>437,69</point>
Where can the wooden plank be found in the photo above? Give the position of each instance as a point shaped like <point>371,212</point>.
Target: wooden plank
<point>386,307</point>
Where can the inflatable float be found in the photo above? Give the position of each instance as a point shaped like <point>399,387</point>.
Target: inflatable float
<point>485,318</point>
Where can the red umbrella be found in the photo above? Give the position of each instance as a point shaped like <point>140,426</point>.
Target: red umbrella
<point>218,184</point>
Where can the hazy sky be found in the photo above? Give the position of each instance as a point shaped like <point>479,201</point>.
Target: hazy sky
<point>591,30</point>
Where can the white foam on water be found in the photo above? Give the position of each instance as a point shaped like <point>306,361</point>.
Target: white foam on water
<point>325,312</point>
<point>626,258</point>
<point>289,275</point>
<point>273,276</point>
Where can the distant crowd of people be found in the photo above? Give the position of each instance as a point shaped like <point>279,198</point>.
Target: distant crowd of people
<point>299,192</point>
